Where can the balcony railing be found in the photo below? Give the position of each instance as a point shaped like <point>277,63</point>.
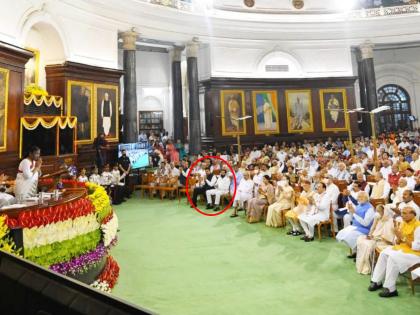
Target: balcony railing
<point>185,5</point>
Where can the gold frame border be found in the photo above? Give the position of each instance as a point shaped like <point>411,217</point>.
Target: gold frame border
<point>254,109</point>
<point>117,107</point>
<point>343,92</point>
<point>222,111</point>
<point>6,104</point>
<point>309,92</point>
<point>37,57</point>
<point>70,83</point>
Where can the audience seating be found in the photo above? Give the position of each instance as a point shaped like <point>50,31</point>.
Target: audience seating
<point>183,190</point>
<point>329,222</point>
<point>147,181</point>
<point>417,197</point>
<point>376,202</point>
<point>341,184</point>
<point>412,281</point>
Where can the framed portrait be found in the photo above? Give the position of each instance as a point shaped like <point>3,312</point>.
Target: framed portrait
<point>333,104</point>
<point>4,91</point>
<point>107,111</point>
<point>232,107</point>
<point>266,115</point>
<point>80,104</point>
<point>299,111</point>
<point>32,68</point>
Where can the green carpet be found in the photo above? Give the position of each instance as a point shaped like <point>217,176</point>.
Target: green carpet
<point>176,261</point>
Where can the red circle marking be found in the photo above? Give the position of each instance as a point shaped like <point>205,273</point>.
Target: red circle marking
<point>234,190</point>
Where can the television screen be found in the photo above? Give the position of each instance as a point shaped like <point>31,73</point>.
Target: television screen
<point>138,153</point>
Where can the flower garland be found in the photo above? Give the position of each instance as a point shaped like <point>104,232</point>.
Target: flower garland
<point>100,200</point>
<point>31,123</point>
<point>6,243</point>
<point>109,276</point>
<point>35,90</point>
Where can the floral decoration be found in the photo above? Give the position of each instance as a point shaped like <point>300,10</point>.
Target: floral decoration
<point>100,200</point>
<point>109,276</point>
<point>6,242</point>
<point>109,228</point>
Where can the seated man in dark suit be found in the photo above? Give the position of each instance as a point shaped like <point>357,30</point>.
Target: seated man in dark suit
<point>207,183</point>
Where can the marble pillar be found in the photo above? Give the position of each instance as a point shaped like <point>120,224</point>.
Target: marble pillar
<point>178,116</point>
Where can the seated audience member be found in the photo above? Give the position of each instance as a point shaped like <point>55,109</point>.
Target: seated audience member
<point>381,235</point>
<point>82,176</point>
<point>284,200</point>
<point>394,176</point>
<point>5,198</point>
<point>316,214</point>
<point>205,183</point>
<point>362,219</point>
<point>398,191</point>
<point>106,176</point>
<point>415,163</point>
<point>304,201</point>
<point>265,196</point>
<point>381,188</point>
<point>409,176</point>
<point>95,177</point>
<point>221,187</point>
<point>243,193</point>
<point>348,196</point>
<point>342,173</point>
<point>407,201</point>
<point>399,258</point>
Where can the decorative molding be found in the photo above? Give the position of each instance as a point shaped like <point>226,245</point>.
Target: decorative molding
<point>192,47</point>
<point>129,39</point>
<point>366,49</point>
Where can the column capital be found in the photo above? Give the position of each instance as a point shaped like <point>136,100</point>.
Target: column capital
<point>366,49</point>
<point>192,47</point>
<point>129,39</point>
<point>177,52</point>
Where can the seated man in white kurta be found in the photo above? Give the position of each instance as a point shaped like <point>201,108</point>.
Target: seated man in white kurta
<point>318,213</point>
<point>221,188</point>
<point>28,174</point>
<point>398,259</point>
<point>362,215</point>
<point>243,193</point>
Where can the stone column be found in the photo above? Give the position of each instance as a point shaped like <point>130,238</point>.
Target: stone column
<point>178,117</point>
<point>194,108</point>
<point>130,133</point>
<point>366,50</point>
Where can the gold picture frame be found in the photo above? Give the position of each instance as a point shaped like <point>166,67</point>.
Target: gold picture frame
<point>72,92</point>
<point>333,99</point>
<point>235,99</point>
<point>266,112</point>
<point>32,67</point>
<point>112,126</point>
<point>4,99</point>
<point>299,113</point>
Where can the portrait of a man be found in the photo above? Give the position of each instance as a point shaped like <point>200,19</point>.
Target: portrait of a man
<point>4,85</point>
<point>232,108</point>
<point>333,104</point>
<point>107,111</point>
<point>265,110</point>
<point>299,111</point>
<point>80,105</point>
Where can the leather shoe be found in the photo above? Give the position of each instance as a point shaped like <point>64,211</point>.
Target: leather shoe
<point>374,286</point>
<point>209,206</point>
<point>309,239</point>
<point>216,209</point>
<point>290,232</point>
<point>387,294</point>
<point>303,238</point>
<point>352,256</point>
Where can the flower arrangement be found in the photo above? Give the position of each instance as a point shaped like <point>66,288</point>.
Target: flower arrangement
<point>6,243</point>
<point>109,228</point>
<point>100,200</point>
<point>109,276</point>
<point>35,90</point>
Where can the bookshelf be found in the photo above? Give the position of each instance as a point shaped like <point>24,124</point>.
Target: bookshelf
<point>150,121</point>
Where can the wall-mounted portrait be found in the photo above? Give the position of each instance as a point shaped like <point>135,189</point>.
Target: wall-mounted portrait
<point>80,104</point>
<point>265,108</point>
<point>32,68</point>
<point>4,89</point>
<point>232,107</point>
<point>333,105</point>
<point>299,111</point>
<point>107,111</point>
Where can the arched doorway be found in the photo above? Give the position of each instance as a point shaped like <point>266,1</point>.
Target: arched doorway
<point>398,100</point>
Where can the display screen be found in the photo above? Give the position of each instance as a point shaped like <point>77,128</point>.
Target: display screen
<point>138,153</point>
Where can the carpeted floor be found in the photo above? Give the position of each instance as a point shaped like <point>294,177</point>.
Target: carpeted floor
<point>176,261</point>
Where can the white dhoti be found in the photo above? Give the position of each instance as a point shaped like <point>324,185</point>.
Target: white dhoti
<point>241,198</point>
<point>308,221</point>
<point>349,235</point>
<point>215,192</point>
<point>390,264</point>
<point>106,124</point>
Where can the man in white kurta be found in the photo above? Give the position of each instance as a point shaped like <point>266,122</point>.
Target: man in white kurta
<point>320,212</point>
<point>244,193</point>
<point>398,259</point>
<point>28,174</point>
<point>221,188</point>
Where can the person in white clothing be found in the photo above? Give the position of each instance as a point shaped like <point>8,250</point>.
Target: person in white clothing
<point>29,171</point>
<point>106,176</point>
<point>243,193</point>
<point>411,181</point>
<point>407,201</point>
<point>95,177</point>
<point>221,188</point>
<point>342,173</point>
<point>82,176</point>
<point>313,216</point>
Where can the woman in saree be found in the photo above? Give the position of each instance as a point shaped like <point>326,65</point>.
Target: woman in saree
<point>265,196</point>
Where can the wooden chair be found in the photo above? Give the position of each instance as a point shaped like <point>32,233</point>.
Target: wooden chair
<point>341,184</point>
<point>183,190</point>
<point>412,281</point>
<point>146,180</point>
<point>376,202</point>
<point>329,222</point>
<point>417,198</point>
<point>371,179</point>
